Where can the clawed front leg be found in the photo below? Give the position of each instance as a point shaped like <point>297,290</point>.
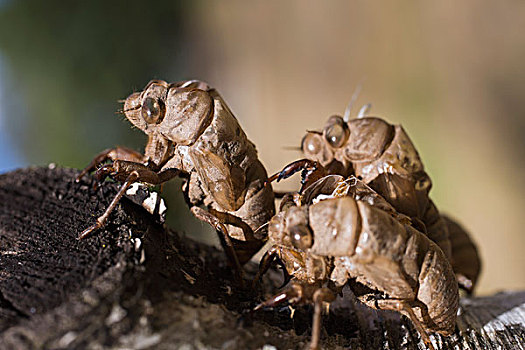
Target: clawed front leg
<point>101,220</point>
<point>303,293</point>
<point>267,261</point>
<point>128,172</point>
<point>294,294</point>
<point>310,172</point>
<point>121,169</point>
<point>121,153</point>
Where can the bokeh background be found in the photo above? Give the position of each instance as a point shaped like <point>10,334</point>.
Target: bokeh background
<point>451,72</point>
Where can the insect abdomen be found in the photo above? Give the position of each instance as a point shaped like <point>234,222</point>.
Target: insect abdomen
<point>438,290</point>
<point>402,263</point>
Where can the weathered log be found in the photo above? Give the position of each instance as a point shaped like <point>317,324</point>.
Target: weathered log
<point>136,284</point>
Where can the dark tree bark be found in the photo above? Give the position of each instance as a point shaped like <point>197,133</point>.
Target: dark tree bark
<point>136,284</point>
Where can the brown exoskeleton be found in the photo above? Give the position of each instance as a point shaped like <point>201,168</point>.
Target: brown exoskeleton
<point>384,157</point>
<point>340,232</point>
<point>465,257</point>
<point>193,134</point>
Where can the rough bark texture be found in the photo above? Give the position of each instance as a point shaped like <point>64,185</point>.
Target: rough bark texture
<point>138,285</point>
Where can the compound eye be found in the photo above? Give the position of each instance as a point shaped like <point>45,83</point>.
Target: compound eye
<point>153,110</point>
<point>311,144</point>
<point>336,131</point>
<point>301,237</point>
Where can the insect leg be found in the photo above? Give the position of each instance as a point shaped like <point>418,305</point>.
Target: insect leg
<point>310,172</point>
<point>266,261</point>
<point>298,293</point>
<point>225,239</point>
<point>120,170</point>
<point>113,154</point>
<point>101,220</point>
<point>321,295</point>
<point>404,306</point>
<point>129,172</point>
<point>246,248</point>
<point>230,219</point>
<point>293,295</point>
<point>292,168</point>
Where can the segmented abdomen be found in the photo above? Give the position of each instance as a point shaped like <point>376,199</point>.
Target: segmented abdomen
<point>388,257</point>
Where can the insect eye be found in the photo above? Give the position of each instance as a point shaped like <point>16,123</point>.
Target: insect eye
<point>301,237</point>
<point>336,131</point>
<point>153,110</point>
<point>311,144</point>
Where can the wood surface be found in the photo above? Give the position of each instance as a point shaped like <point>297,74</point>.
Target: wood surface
<point>138,285</point>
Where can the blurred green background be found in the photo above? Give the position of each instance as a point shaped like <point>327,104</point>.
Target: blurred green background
<point>451,72</point>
